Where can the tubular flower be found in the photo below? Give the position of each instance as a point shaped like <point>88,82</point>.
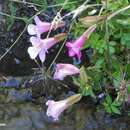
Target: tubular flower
<point>74,48</point>
<point>56,108</point>
<point>41,46</point>
<point>41,27</point>
<point>63,70</point>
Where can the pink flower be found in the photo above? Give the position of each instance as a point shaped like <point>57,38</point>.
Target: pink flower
<point>56,108</point>
<point>41,27</point>
<point>74,48</point>
<point>41,46</point>
<point>63,70</point>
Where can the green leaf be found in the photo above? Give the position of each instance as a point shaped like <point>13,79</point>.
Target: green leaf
<point>117,78</point>
<point>99,63</point>
<point>124,22</point>
<point>125,39</point>
<point>128,71</point>
<point>10,20</point>
<point>128,89</point>
<point>116,103</point>
<point>87,91</point>
<point>115,110</point>
<point>109,99</point>
<point>107,107</point>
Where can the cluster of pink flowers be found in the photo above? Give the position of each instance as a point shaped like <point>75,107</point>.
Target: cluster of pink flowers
<point>41,46</point>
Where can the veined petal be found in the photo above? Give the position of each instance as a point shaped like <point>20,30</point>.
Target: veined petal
<point>49,42</point>
<point>76,52</point>
<point>42,26</point>
<point>33,52</point>
<point>32,29</point>
<point>69,44</point>
<point>69,69</point>
<point>80,42</point>
<point>59,75</point>
<point>75,47</point>
<point>63,70</point>
<point>73,50</point>
<point>35,41</point>
<point>55,108</point>
<point>42,55</point>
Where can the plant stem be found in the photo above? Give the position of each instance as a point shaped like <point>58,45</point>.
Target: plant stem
<point>15,17</point>
<point>1,57</point>
<point>117,12</point>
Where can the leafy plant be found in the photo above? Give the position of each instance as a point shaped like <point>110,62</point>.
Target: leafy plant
<point>112,107</point>
<point>85,84</point>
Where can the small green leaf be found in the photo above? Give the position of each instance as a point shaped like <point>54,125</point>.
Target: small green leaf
<point>115,110</point>
<point>116,103</point>
<point>128,89</point>
<point>109,99</point>
<point>99,63</point>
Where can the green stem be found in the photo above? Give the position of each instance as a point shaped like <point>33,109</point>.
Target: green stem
<point>15,17</point>
<point>1,57</point>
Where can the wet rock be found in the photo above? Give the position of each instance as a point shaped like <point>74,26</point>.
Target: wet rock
<point>11,111</point>
<point>46,86</point>
<point>12,82</point>
<point>17,96</point>
<point>1,113</point>
<point>22,123</point>
<point>35,115</point>
<point>2,97</point>
<point>37,120</point>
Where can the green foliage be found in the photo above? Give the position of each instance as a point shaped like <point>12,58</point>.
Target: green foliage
<point>78,29</point>
<point>42,3</point>
<point>117,4</point>
<point>125,39</point>
<point>128,89</point>
<point>85,83</point>
<point>112,107</point>
<point>70,7</point>
<point>111,52</point>
<point>12,10</point>
<point>110,59</point>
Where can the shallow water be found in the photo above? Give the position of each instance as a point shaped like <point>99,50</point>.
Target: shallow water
<point>28,116</point>
<point>18,114</point>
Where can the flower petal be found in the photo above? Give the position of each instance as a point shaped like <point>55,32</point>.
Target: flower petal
<point>59,75</point>
<point>55,108</point>
<point>35,41</point>
<point>63,70</point>
<point>42,55</point>
<point>73,50</point>
<point>32,29</point>
<point>33,52</point>
<point>42,26</point>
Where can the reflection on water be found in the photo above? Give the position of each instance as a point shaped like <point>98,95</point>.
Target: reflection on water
<point>29,116</point>
<point>20,111</point>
